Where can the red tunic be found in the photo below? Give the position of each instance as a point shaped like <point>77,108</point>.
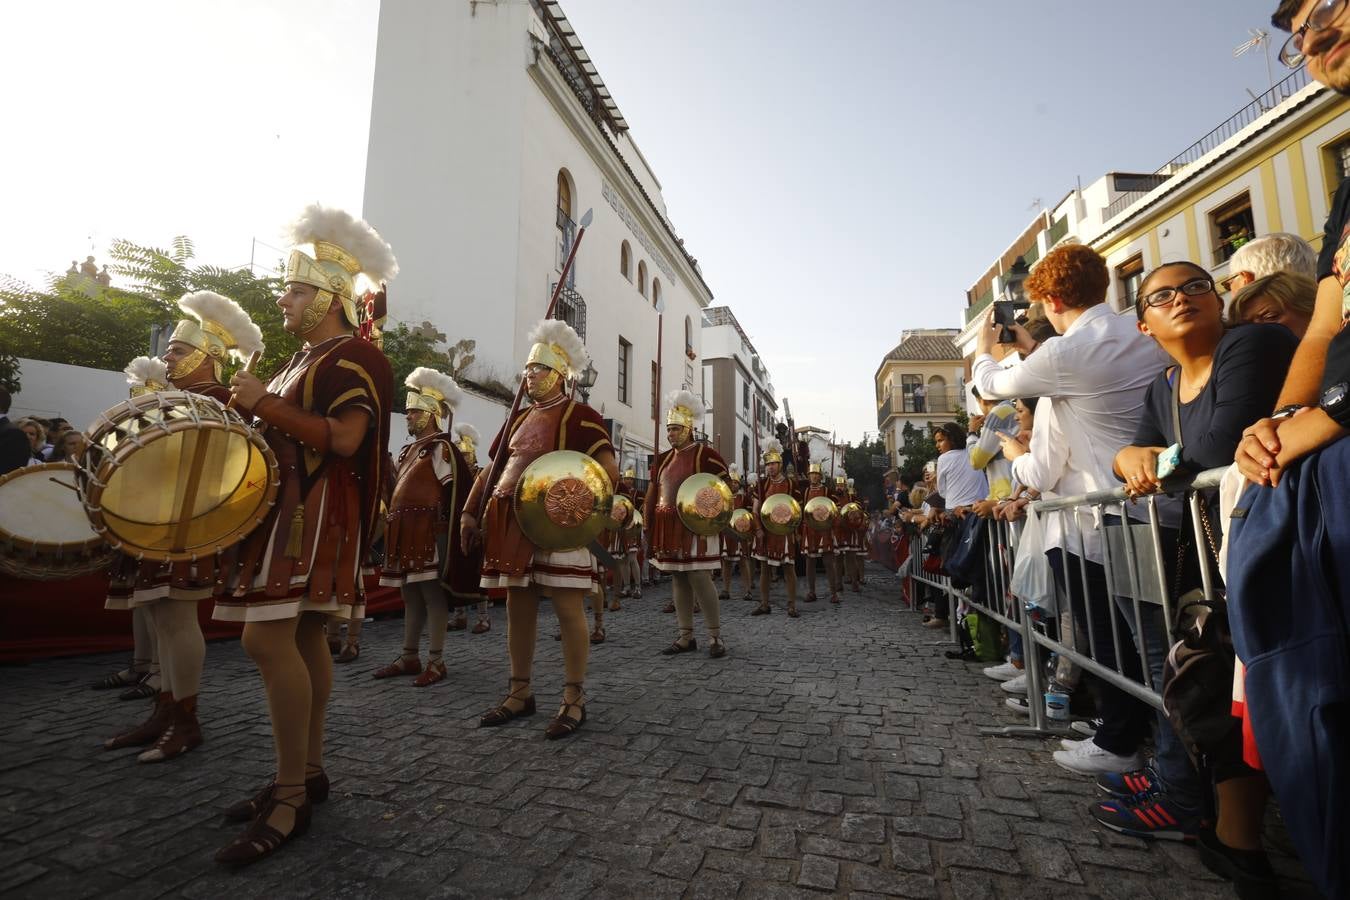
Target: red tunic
<point>731,546</point>
<point>620,542</point>
<point>675,548</point>
<point>509,559</point>
<point>132,584</point>
<point>307,553</point>
<point>774,549</point>
<point>816,543</point>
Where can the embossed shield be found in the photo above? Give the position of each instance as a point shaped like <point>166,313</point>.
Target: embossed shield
<point>704,504</point>
<point>820,513</point>
<point>621,513</point>
<point>562,500</point>
<point>741,524</point>
<point>781,514</point>
<point>852,513</point>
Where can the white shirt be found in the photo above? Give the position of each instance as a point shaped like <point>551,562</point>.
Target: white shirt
<point>1091,381</point>
<point>958,482</point>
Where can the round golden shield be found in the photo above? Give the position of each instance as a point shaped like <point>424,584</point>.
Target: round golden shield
<point>852,513</point>
<point>703,503</point>
<point>781,514</point>
<point>820,513</point>
<point>621,521</point>
<point>634,523</point>
<point>562,500</point>
<point>741,524</point>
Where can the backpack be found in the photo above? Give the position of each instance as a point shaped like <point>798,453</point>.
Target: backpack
<point>1197,688</point>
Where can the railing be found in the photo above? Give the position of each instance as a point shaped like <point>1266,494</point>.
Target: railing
<point>571,309</point>
<point>1280,92</point>
<point>980,306</point>
<point>1138,603</point>
<point>940,401</point>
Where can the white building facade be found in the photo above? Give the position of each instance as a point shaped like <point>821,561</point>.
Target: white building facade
<point>742,408</point>
<point>491,135</point>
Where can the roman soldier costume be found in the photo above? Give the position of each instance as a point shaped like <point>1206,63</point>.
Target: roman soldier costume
<point>675,547</point>
<point>423,554</point>
<point>467,439</point>
<point>818,545</point>
<point>164,595</point>
<point>734,552</point>
<point>775,551</point>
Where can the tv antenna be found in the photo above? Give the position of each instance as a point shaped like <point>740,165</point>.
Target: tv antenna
<point>1259,38</point>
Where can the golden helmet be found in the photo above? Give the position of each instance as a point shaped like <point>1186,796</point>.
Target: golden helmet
<point>146,375</point>
<point>345,247</point>
<point>216,329</point>
<point>562,500</point>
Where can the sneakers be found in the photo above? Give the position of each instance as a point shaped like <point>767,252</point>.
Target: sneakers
<point>1129,785</point>
<point>1249,870</point>
<point>1086,727</point>
<point>1016,685</point>
<point>1087,758</point>
<point>1074,744</point>
<point>1157,816</point>
<point>1018,704</point>
<point>1004,672</point>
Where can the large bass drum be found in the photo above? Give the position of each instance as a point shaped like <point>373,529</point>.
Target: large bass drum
<point>44,533</point>
<point>175,476</point>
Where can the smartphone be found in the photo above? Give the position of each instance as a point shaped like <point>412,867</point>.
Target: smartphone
<point>1005,316</point>
<point>1168,460</point>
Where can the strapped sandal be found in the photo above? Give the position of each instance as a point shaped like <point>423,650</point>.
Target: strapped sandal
<point>677,647</point>
<point>143,689</point>
<point>792,613</point>
<point>669,607</point>
<point>482,626</point>
<point>563,725</point>
<point>148,731</point>
<point>400,666</point>
<point>834,598</point>
<point>724,595</point>
<point>435,672</point>
<point>761,610</point>
<point>614,605</point>
<point>598,635</point>
<point>183,734</point>
<point>750,598</point>
<point>637,594</point>
<point>811,597</point>
<point>501,714</point>
<point>334,646</point>
<point>261,840</point>
<point>717,649</point>
<point>457,624</point>
<point>316,789</point>
<point>124,678</point>
<point>697,607</point>
<point>350,652</point>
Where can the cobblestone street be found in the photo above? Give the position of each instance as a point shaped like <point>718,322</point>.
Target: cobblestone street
<point>838,752</point>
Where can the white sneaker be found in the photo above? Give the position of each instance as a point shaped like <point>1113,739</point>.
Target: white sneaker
<point>1089,759</point>
<point>1003,672</point>
<point>1017,685</point>
<point>1071,744</point>
<point>1085,726</point>
<point>1020,704</point>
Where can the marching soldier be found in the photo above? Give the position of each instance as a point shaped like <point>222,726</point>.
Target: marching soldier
<point>690,558</point>
<point>326,417</point>
<point>774,551</point>
<point>423,554</point>
<point>166,594</point>
<point>819,544</point>
<point>466,438</point>
<point>732,550</point>
<point>552,421</point>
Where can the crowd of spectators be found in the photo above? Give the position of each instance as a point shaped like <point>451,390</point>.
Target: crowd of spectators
<point>1110,401</point>
<point>31,441</point>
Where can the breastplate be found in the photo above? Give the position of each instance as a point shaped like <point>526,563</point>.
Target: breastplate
<point>680,467</point>
<point>537,435</point>
<point>417,484</point>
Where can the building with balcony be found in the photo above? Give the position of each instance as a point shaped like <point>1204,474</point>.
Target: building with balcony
<point>919,383</point>
<point>737,389</point>
<point>492,133</point>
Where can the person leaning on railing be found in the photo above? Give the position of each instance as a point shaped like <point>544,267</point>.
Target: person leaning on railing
<point>1224,379</point>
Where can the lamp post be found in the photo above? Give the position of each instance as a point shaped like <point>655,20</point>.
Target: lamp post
<point>587,381</point>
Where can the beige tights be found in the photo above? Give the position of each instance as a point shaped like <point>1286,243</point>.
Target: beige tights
<point>691,587</point>
<point>182,648</point>
<point>522,632</point>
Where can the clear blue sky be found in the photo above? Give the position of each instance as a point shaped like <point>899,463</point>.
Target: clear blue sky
<point>842,170</point>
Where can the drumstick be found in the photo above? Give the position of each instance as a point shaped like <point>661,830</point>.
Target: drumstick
<point>248,367</point>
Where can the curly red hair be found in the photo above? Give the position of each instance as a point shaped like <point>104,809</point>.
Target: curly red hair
<point>1075,274</point>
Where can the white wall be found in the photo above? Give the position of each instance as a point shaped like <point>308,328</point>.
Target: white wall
<point>74,393</point>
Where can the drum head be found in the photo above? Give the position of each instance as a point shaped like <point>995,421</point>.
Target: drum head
<point>39,509</point>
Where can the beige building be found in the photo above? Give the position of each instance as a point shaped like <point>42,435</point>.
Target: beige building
<point>921,382</point>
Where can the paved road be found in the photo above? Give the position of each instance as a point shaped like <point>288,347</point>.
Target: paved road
<point>838,752</point>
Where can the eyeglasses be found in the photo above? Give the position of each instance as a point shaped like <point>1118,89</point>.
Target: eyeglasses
<point>1193,288</point>
<point>1323,13</point>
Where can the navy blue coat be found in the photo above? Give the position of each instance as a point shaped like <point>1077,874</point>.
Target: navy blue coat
<point>1289,609</point>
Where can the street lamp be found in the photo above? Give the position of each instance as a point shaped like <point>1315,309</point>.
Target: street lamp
<point>586,381</point>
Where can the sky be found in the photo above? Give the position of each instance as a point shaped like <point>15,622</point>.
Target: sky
<point>843,171</point>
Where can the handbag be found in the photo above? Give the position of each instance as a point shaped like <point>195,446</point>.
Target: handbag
<point>1197,687</point>
<point>964,551</point>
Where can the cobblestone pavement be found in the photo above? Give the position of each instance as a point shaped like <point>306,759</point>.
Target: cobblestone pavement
<point>838,752</point>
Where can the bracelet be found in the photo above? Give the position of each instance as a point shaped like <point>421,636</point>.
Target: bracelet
<point>1285,412</point>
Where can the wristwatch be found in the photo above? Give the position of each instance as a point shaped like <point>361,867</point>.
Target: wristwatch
<point>1285,412</point>
<point>1335,404</point>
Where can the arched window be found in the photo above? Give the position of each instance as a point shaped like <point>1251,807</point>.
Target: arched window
<point>688,337</point>
<point>564,196</point>
<point>567,229</point>
<point>625,261</point>
<point>656,291</point>
<point>642,278</point>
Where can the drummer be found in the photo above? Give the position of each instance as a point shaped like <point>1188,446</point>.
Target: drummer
<point>326,417</point>
<point>552,421</point>
<point>690,558</point>
<point>166,594</point>
<point>772,550</point>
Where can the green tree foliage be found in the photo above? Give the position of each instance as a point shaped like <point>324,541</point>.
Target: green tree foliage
<point>916,447</point>
<point>9,372</point>
<point>866,477</point>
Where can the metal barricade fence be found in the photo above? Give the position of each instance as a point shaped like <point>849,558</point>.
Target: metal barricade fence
<point>1135,577</point>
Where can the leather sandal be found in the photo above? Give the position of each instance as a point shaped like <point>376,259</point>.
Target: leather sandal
<point>724,595</point>
<point>811,597</point>
<point>717,649</point>
<point>677,647</point>
<point>482,626</point>
<point>435,672</point>
<point>350,653</point>
<point>669,607</point>
<point>125,678</point>
<point>501,714</point>
<point>142,689</point>
<point>749,598</point>
<point>148,731</point>
<point>697,607</point>
<point>317,787</point>
<point>400,666</point>
<point>457,625</point>
<point>637,594</point>
<point>792,613</point>
<point>261,840</point>
<point>563,725</point>
<point>760,610</point>
<point>334,646</point>
<point>598,635</point>
<point>834,598</point>
<point>614,605</point>
<point>183,734</point>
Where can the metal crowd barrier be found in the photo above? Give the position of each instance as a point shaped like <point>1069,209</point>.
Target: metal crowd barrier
<point>1132,558</point>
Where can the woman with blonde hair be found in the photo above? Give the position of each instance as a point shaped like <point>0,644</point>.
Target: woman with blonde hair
<point>1284,298</point>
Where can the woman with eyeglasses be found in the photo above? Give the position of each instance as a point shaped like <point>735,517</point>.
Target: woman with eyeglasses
<point>1224,379</point>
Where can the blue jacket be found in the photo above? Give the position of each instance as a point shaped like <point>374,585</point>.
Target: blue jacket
<point>1289,609</point>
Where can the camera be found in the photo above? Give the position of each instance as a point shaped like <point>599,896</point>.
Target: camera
<point>1005,316</point>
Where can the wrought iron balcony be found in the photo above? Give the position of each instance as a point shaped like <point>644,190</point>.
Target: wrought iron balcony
<point>941,401</point>
<point>571,309</point>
